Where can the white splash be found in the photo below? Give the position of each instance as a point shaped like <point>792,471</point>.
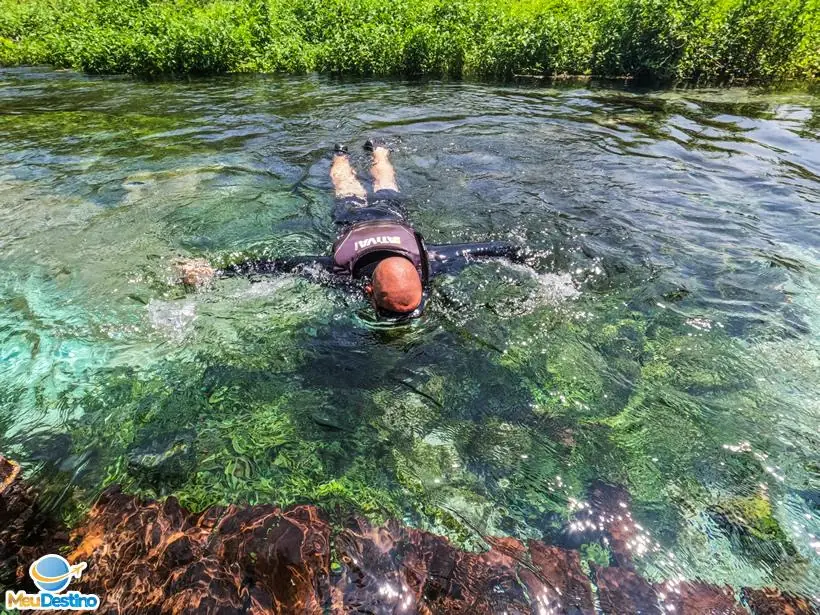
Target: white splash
<point>552,288</point>
<point>173,318</point>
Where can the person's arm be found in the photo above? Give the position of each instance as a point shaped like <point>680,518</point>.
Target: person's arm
<point>280,265</point>
<point>453,257</point>
<point>199,272</point>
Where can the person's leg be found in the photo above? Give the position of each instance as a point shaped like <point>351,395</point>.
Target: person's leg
<point>344,180</point>
<point>384,176</point>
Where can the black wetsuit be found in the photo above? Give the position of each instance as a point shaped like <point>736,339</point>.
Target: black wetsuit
<point>372,230</point>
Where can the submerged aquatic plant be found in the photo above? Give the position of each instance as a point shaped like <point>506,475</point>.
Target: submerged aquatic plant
<point>259,421</point>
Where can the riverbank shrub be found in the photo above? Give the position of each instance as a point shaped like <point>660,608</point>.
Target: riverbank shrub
<point>699,40</point>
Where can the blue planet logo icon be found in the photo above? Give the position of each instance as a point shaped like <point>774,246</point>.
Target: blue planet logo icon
<point>52,573</point>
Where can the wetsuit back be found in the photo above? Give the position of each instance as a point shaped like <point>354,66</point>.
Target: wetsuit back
<point>366,243</point>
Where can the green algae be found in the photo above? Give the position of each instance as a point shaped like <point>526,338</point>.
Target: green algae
<point>244,434</point>
<point>754,515</point>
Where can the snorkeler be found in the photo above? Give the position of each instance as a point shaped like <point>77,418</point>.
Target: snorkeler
<point>375,245</point>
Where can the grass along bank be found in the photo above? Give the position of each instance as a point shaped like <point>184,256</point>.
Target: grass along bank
<point>695,40</point>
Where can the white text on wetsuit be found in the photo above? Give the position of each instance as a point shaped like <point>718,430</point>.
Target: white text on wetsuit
<point>372,241</point>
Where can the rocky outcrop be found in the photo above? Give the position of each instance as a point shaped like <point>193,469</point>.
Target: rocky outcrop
<point>156,557</point>
<point>773,602</point>
<point>26,530</point>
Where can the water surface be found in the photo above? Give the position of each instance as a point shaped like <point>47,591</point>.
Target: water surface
<point>663,337</point>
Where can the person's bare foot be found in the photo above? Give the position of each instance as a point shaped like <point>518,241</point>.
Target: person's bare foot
<point>384,175</point>
<point>194,272</point>
<point>374,143</point>
<point>381,154</point>
<point>343,176</point>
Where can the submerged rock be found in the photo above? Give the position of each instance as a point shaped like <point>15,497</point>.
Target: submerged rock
<point>26,530</point>
<point>773,602</point>
<point>752,515</point>
<point>561,569</point>
<point>152,556</point>
<point>149,556</point>
<point>622,591</point>
<point>750,523</point>
<point>9,471</point>
<point>162,458</point>
<point>696,598</point>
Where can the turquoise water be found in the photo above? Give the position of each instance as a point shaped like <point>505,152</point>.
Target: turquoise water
<point>663,336</point>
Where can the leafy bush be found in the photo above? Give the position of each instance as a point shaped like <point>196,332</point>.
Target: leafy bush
<point>761,40</point>
<point>752,38</point>
<point>644,38</point>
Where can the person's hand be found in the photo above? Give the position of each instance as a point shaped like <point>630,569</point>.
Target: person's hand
<point>195,272</point>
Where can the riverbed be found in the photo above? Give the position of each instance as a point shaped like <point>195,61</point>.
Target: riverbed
<point>662,335</point>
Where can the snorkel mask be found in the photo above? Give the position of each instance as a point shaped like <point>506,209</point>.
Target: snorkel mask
<point>389,317</point>
<point>399,318</point>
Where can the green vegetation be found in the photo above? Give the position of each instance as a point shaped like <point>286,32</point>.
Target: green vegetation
<point>259,414</point>
<point>697,40</point>
<point>254,421</point>
<point>754,515</point>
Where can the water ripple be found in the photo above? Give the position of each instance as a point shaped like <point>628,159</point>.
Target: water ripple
<point>668,309</point>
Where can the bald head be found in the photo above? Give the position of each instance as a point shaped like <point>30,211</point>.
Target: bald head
<point>396,285</point>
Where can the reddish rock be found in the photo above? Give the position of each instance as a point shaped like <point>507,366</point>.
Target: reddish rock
<point>155,557</point>
<point>773,602</point>
<point>151,556</point>
<point>567,587</point>
<point>695,598</point>
<point>276,547</point>
<point>396,569</point>
<point>621,591</point>
<point>611,509</point>
<point>26,531</point>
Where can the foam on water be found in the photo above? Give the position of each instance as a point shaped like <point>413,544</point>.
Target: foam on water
<point>174,318</point>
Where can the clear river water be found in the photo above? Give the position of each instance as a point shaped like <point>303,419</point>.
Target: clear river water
<point>663,335</point>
